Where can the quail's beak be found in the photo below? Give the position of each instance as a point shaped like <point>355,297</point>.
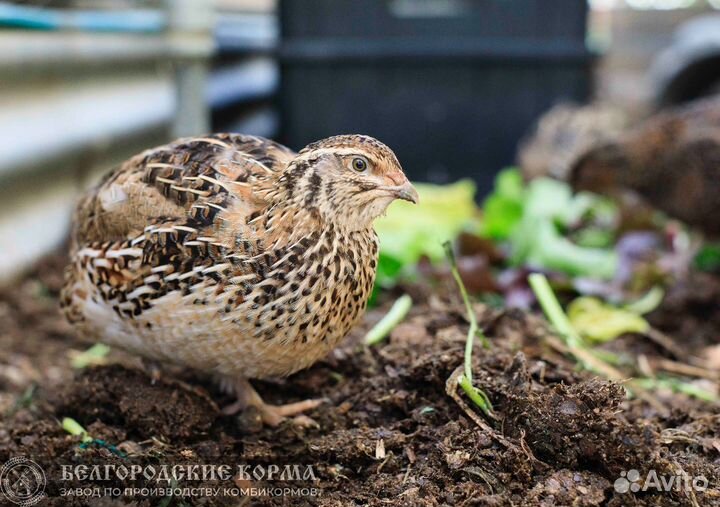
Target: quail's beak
<point>406,192</point>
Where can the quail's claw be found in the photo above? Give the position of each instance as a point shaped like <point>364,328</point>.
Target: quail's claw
<point>303,421</point>
<point>273,415</point>
<point>153,369</point>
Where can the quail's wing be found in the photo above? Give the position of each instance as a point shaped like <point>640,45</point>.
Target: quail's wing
<point>190,178</point>
<point>157,224</point>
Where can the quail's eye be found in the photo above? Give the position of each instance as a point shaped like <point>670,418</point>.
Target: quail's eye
<point>359,164</point>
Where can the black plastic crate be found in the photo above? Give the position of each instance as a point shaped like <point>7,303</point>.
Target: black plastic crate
<point>451,94</point>
<point>474,19</point>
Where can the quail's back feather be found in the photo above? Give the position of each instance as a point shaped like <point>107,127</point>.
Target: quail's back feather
<point>195,175</point>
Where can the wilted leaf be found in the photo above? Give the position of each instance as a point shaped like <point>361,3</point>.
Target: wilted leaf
<point>599,322</point>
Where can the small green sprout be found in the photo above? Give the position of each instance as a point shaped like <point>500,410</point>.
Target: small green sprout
<point>74,428</point>
<point>397,313</point>
<point>478,396</point>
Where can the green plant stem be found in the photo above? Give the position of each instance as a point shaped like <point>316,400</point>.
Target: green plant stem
<point>552,309</point>
<point>465,380</point>
<point>474,330</point>
<point>392,318</point>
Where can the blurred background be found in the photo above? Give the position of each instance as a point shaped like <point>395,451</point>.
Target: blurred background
<point>453,86</point>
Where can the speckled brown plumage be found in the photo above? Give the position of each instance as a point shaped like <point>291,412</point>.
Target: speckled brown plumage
<point>232,254</point>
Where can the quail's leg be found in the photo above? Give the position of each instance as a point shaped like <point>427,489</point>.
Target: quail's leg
<point>152,368</point>
<point>272,415</point>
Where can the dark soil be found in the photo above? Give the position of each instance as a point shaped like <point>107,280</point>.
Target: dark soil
<point>389,433</point>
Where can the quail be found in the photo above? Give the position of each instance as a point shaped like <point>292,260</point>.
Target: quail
<point>232,255</point>
<point>672,160</point>
<point>566,132</point>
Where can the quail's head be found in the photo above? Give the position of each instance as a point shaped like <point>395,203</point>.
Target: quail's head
<point>349,179</point>
<point>602,169</point>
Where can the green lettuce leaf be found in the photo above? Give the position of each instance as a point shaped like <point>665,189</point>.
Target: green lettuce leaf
<point>534,220</point>
<point>503,209</point>
<point>410,231</point>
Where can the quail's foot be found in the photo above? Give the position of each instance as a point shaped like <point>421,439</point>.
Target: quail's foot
<point>272,415</point>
